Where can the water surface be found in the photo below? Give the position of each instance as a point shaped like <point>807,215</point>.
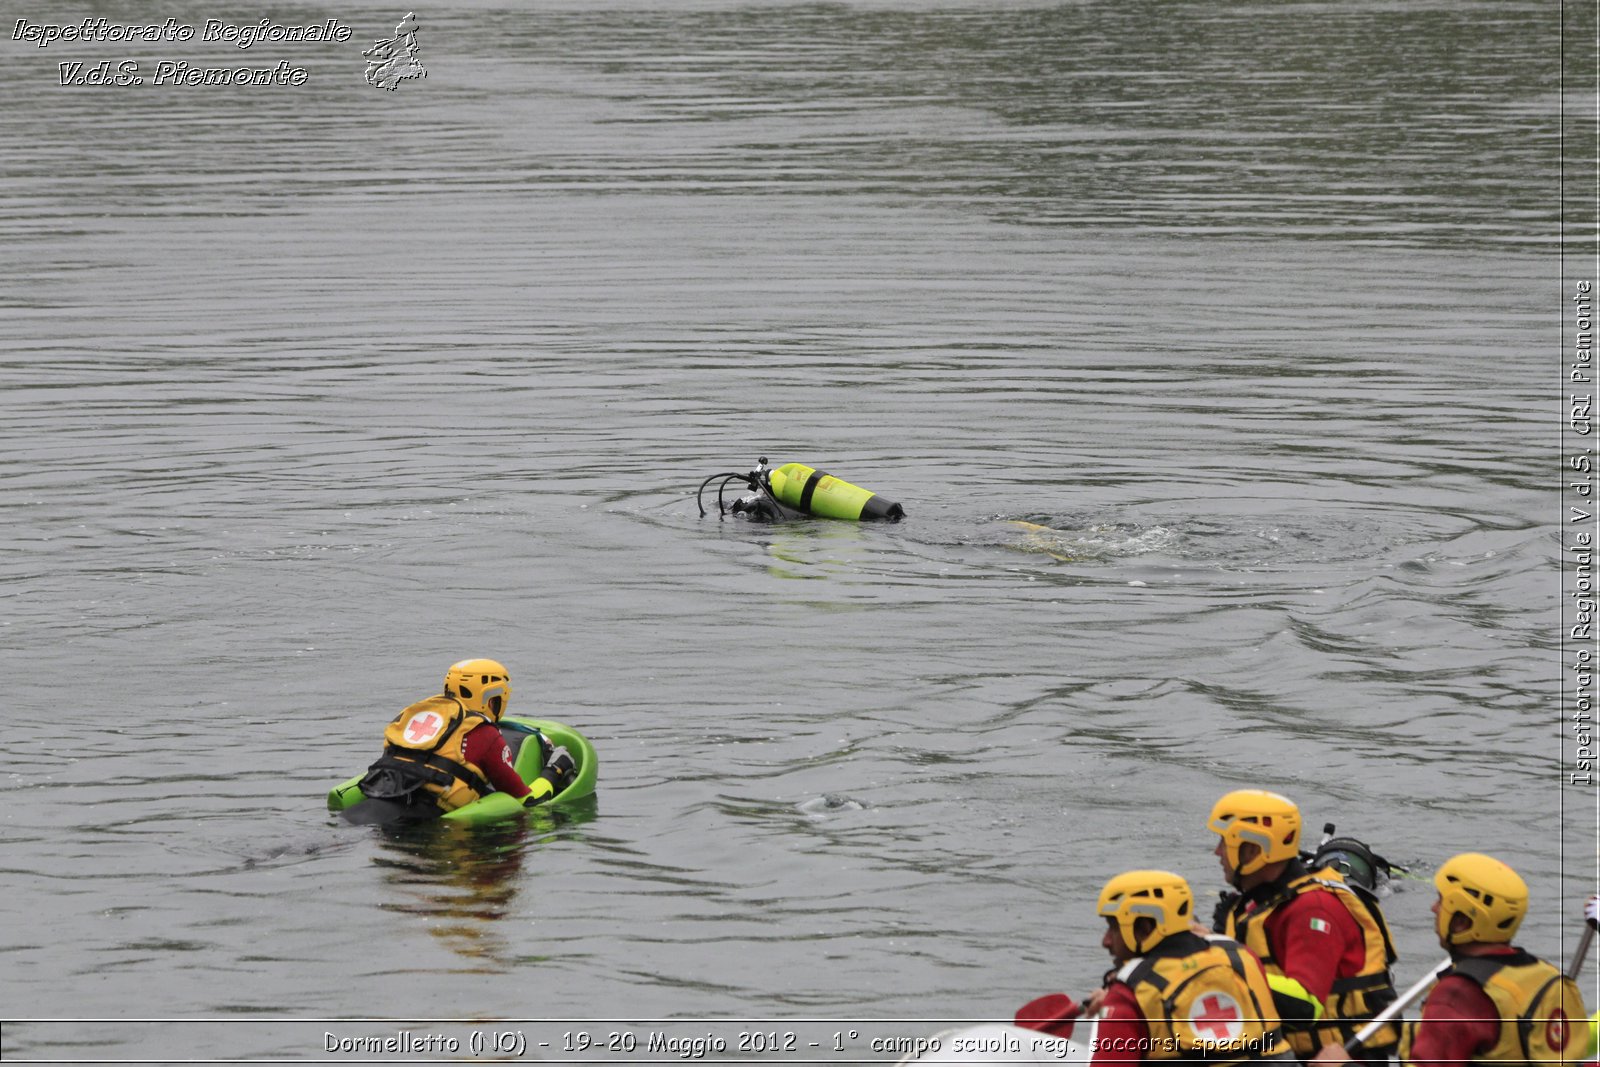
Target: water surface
<point>313,391</point>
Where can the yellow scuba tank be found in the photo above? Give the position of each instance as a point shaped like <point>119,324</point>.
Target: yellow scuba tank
<point>795,491</point>
<point>814,492</point>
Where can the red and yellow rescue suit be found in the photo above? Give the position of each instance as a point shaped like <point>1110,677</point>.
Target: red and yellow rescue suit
<point>1330,937</point>
<point>1509,1005</point>
<point>437,751</point>
<point>1190,997</point>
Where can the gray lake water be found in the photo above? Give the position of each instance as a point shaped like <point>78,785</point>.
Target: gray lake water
<point>312,390</point>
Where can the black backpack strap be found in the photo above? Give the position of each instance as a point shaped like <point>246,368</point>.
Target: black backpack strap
<point>1478,968</point>
<point>1526,1021</point>
<point>433,768</point>
<point>1146,972</point>
<point>1370,899</point>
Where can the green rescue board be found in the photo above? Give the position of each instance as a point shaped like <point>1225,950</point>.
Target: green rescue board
<point>528,762</point>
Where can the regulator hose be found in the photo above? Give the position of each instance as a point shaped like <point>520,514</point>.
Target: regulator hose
<point>755,481</point>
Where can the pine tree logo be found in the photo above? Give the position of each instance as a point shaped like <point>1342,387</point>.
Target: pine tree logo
<point>392,61</point>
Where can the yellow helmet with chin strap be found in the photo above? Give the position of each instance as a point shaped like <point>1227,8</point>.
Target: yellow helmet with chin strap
<point>1487,893</point>
<point>1158,895</point>
<point>482,685</point>
<point>1267,820</point>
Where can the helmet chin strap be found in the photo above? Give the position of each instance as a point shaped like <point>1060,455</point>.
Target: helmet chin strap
<point>1235,861</point>
<point>1257,863</point>
<point>1239,876</point>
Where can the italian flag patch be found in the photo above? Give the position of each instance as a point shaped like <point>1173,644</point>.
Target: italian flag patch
<point>1321,926</point>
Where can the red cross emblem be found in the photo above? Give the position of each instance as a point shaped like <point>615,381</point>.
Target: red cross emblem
<point>1555,1031</point>
<point>1217,1017</point>
<point>423,727</point>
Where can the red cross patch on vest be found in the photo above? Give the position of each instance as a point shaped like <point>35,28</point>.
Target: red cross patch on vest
<point>424,728</point>
<point>1217,1017</point>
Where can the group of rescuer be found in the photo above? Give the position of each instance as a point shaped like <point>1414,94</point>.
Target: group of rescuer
<point>1299,961</point>
<point>1296,967</point>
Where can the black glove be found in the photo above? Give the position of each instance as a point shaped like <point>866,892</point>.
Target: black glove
<point>560,765</point>
<point>557,772</point>
<point>1226,899</point>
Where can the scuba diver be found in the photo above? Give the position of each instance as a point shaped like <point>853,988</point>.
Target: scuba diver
<point>446,751</point>
<point>1359,865</point>
<point>796,491</point>
<point>1322,938</point>
<point>1496,1001</point>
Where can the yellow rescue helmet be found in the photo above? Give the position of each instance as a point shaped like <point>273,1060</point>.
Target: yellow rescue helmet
<point>1159,895</point>
<point>1267,820</point>
<point>1490,895</point>
<point>481,685</point>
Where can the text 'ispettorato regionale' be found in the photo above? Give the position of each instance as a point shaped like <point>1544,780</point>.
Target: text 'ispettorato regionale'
<point>168,72</point>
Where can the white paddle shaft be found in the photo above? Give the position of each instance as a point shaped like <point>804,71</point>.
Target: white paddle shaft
<point>1591,919</point>
<point>1401,1003</point>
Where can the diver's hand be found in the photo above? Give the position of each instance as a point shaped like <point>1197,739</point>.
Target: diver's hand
<point>560,764</point>
<point>557,772</point>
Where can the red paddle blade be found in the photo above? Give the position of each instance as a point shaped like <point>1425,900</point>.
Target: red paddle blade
<point>1053,1013</point>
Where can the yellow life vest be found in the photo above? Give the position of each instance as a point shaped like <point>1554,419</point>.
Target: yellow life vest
<point>1205,997</point>
<point>1541,1011</point>
<point>426,751</point>
<point>1352,1001</point>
